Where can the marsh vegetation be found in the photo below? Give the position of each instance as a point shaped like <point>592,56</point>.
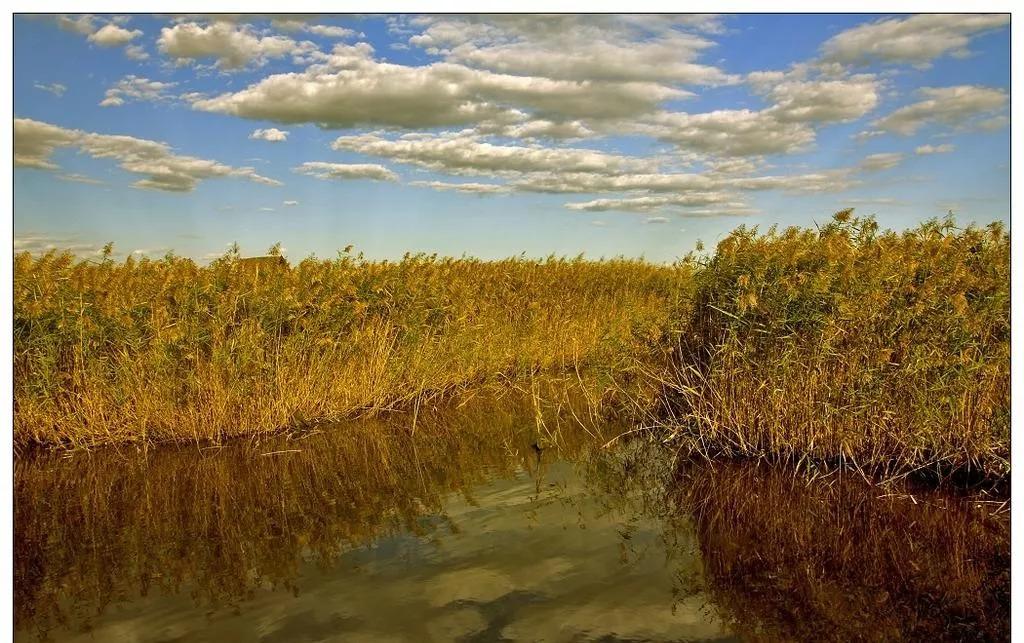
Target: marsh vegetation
<point>845,344</point>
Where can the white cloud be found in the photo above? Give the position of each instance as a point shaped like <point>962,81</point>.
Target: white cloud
<point>822,99</point>
<point>917,39</point>
<point>574,47</point>
<point>136,88</point>
<point>730,132</point>
<point>289,204</point>
<point>233,46</point>
<point>324,170</point>
<point>136,52</point>
<point>111,35</point>
<point>350,89</point>
<point>681,204</point>
<point>39,243</point>
<point>54,88</point>
<point>953,106</point>
<point>565,182</point>
<point>878,162</point>
<point>827,180</point>
<point>465,153</point>
<point>657,220</point>
<point>83,24</point>
<point>465,188</point>
<point>564,130</point>
<point>35,142</point>
<point>330,31</point>
<point>271,134</point>
<point>945,148</point>
<point>79,178</point>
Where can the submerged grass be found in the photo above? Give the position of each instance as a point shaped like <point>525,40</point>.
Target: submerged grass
<point>844,343</point>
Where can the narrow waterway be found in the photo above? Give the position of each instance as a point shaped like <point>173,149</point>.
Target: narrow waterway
<point>493,521</point>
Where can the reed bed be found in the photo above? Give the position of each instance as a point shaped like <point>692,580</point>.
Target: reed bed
<point>884,351</point>
<point>846,344</point>
<point>145,350</point>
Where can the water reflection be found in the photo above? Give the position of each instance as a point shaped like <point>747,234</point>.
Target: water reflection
<point>499,520</point>
<point>838,559</point>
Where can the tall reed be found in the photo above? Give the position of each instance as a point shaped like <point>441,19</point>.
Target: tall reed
<point>108,352</point>
<point>847,343</point>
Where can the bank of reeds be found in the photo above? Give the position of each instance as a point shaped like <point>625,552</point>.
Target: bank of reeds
<point>841,344</point>
<point>881,350</point>
<point>111,352</point>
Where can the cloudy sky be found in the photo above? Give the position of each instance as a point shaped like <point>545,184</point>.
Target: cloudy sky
<point>498,135</point>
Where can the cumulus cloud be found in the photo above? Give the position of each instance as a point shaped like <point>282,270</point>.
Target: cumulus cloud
<point>573,47</point>
<point>271,134</point>
<point>136,88</point>
<point>54,88</point>
<point>231,45</point>
<point>330,31</point>
<point>466,153</point>
<point>351,89</point>
<point>537,129</point>
<point>136,52</point>
<point>464,188</point>
<point>35,142</point>
<point>83,24</point>
<point>953,106</point>
<point>945,148</point>
<point>917,39</point>
<point>878,162</point>
<point>112,35</point>
<point>328,171</point>
<point>821,99</point>
<point>296,22</point>
<point>731,132</point>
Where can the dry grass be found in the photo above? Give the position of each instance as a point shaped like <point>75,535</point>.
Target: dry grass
<point>109,352</point>
<point>881,350</point>
<point>876,349</point>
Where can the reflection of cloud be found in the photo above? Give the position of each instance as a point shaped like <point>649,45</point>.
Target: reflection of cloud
<point>525,558</point>
<point>477,584</point>
<point>451,626</point>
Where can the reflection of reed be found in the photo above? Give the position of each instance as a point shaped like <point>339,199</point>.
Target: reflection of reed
<point>793,560</point>
<point>225,522</point>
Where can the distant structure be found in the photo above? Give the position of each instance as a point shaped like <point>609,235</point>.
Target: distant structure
<point>263,263</point>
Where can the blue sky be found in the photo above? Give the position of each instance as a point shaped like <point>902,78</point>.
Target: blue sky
<point>495,136</point>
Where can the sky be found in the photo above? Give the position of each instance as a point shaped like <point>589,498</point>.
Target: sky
<point>495,136</point>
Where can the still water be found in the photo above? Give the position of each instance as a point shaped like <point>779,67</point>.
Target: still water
<point>495,521</point>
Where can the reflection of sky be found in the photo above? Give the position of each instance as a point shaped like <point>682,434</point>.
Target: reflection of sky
<point>512,565</point>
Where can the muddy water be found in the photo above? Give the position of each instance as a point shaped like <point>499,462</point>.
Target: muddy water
<point>494,521</point>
